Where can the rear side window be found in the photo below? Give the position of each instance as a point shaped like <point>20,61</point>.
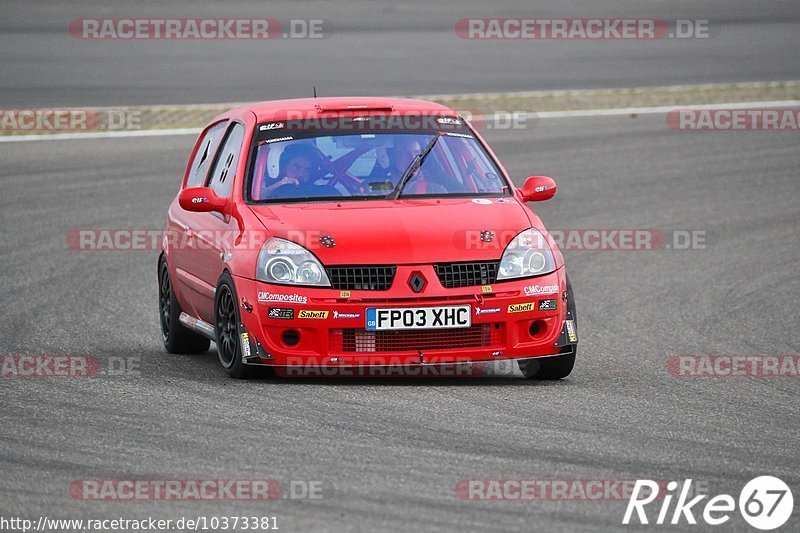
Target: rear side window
<point>204,155</point>
<point>224,169</point>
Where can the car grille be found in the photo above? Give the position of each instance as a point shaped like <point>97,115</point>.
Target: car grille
<point>363,278</point>
<point>361,341</point>
<point>454,275</point>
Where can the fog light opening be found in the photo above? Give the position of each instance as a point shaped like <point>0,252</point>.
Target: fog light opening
<point>291,337</point>
<point>537,328</point>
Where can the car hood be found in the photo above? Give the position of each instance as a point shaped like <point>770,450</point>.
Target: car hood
<point>399,232</point>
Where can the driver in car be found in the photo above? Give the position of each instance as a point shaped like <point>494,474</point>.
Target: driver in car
<point>406,148</point>
<point>298,170</point>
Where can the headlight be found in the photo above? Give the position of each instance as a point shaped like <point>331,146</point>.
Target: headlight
<point>528,254</point>
<point>287,263</point>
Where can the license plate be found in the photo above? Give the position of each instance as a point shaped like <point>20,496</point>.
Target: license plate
<point>451,316</point>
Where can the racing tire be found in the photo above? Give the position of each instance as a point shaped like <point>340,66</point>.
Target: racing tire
<point>226,329</point>
<point>176,337</point>
<point>548,368</point>
<point>559,366</point>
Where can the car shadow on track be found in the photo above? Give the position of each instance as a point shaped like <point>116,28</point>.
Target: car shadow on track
<point>414,382</point>
<point>204,367</point>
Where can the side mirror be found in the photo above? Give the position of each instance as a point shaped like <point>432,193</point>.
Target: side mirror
<point>202,200</point>
<point>537,189</point>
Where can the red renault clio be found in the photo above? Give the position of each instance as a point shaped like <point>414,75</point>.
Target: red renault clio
<point>360,232</point>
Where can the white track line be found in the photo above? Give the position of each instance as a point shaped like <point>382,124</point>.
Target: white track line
<point>660,109</point>
<point>619,111</point>
<point>630,91</point>
<point>99,135</point>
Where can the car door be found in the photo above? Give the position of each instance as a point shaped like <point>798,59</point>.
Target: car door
<point>182,223</point>
<point>214,233</point>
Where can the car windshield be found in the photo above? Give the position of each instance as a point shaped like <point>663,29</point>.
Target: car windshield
<point>347,165</point>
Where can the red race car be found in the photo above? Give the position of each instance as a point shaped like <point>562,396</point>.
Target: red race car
<point>360,232</point>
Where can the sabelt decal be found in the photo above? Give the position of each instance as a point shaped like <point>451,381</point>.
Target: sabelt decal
<point>535,290</point>
<point>548,305</point>
<point>521,308</point>
<point>306,313</point>
<point>266,296</point>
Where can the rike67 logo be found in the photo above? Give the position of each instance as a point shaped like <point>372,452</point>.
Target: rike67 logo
<point>765,503</point>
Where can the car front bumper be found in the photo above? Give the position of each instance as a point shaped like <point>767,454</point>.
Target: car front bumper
<point>286,326</point>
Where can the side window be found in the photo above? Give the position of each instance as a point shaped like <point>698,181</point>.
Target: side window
<point>224,169</point>
<point>205,152</point>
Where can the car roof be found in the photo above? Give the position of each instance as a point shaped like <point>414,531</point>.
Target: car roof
<point>320,107</point>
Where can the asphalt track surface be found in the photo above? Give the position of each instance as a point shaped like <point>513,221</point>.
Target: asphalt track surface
<point>378,48</point>
<point>390,452</point>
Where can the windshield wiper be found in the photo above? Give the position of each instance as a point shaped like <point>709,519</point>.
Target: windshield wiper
<point>412,169</point>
